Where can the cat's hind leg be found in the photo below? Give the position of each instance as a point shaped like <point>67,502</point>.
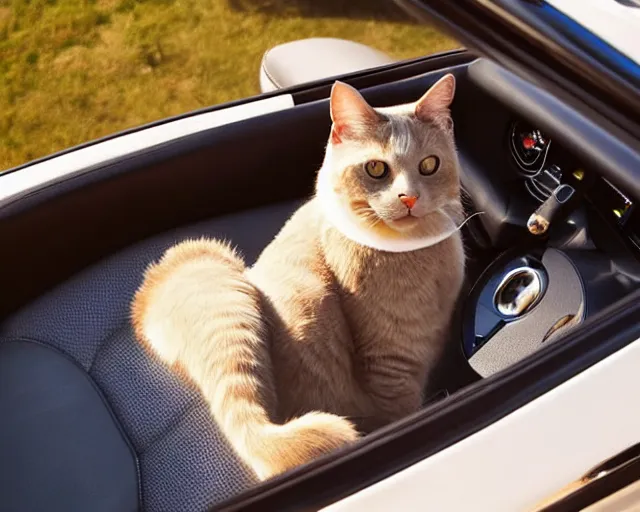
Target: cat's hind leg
<point>197,310</point>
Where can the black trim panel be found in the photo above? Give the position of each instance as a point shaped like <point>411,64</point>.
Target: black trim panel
<point>619,472</point>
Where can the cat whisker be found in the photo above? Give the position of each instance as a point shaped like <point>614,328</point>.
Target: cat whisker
<point>372,223</point>
<point>467,220</point>
<point>370,217</point>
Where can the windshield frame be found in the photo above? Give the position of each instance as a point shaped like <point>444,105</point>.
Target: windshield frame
<point>541,44</point>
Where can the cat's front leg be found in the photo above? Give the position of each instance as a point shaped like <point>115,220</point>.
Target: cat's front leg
<point>394,387</point>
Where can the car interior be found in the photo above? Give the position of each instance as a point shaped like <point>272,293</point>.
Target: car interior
<point>96,424</point>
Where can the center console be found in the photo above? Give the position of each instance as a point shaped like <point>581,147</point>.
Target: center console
<point>525,300</point>
<point>564,244</point>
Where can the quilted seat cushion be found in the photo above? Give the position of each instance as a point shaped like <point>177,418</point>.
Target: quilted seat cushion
<point>183,461</point>
<point>60,446</point>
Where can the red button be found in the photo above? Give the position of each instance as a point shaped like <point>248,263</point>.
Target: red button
<point>528,142</point>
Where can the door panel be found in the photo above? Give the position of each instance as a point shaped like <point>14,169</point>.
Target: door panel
<point>516,462</point>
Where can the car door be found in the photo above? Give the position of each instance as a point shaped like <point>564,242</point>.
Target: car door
<point>507,442</point>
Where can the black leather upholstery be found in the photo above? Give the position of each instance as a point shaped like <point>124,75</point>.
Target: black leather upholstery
<point>59,444</point>
<point>166,433</point>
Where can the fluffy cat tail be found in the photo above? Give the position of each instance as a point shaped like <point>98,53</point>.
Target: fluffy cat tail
<point>197,311</point>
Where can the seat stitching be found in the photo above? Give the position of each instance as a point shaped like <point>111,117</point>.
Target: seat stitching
<point>263,65</point>
<point>176,420</point>
<point>106,403</point>
<point>102,343</point>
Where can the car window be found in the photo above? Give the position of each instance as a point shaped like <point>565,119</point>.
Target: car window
<point>72,71</point>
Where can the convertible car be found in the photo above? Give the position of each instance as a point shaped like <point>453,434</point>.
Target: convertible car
<point>537,403</point>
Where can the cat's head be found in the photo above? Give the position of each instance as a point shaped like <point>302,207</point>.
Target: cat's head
<point>390,178</point>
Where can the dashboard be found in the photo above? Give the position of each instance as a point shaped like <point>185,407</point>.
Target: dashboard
<point>544,165</point>
<point>522,158</point>
<point>533,286</point>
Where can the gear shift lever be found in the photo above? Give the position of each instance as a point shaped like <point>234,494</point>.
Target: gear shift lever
<point>540,220</point>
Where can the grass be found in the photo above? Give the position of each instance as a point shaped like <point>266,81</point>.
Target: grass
<point>75,70</point>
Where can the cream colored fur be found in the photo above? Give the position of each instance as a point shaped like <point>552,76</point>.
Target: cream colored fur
<point>334,330</point>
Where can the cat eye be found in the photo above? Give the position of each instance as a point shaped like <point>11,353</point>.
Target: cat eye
<point>429,165</point>
<point>376,169</point>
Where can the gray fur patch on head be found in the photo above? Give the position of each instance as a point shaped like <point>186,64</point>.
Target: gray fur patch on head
<point>402,134</point>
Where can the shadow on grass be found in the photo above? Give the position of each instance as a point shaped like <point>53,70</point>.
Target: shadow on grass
<point>380,10</point>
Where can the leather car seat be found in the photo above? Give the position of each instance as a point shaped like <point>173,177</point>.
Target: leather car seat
<point>306,60</point>
<point>90,422</point>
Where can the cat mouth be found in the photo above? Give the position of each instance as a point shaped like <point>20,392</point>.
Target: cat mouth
<point>404,223</point>
<point>405,219</point>
<point>408,222</point>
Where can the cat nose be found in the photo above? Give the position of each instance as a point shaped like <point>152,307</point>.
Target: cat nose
<point>408,201</point>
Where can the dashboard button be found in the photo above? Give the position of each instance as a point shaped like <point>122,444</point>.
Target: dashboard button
<point>528,147</point>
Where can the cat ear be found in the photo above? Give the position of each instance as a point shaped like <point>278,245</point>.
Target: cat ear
<point>434,105</point>
<point>352,116</point>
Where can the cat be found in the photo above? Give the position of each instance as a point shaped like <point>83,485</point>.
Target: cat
<point>334,330</point>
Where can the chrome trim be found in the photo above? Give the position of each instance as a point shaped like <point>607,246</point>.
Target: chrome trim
<point>526,298</point>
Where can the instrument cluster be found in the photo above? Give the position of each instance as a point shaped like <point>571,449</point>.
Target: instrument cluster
<point>549,170</point>
<point>543,165</point>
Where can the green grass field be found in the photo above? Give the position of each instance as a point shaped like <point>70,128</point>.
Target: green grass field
<point>74,70</point>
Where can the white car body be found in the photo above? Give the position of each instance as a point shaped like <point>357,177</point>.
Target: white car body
<point>510,465</point>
